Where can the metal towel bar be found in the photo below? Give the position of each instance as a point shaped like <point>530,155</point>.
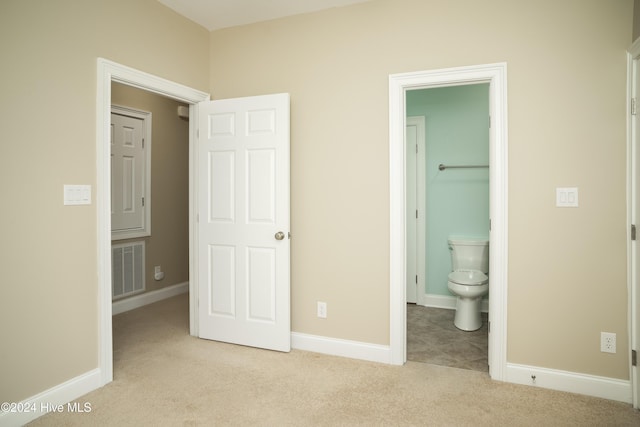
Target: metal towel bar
<point>443,167</point>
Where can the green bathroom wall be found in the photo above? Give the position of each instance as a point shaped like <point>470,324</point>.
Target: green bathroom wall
<point>457,200</point>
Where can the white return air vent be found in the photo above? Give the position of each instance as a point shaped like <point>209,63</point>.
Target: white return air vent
<point>127,263</point>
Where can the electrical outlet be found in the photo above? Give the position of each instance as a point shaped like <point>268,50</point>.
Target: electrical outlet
<point>157,269</point>
<point>322,309</point>
<point>607,342</point>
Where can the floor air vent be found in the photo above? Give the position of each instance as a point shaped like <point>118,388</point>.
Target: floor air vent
<point>127,263</point>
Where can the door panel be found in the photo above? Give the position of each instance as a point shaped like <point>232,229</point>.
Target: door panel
<point>411,142</point>
<point>261,186</point>
<point>243,203</point>
<point>222,187</point>
<point>415,208</point>
<point>222,279</point>
<point>127,173</point>
<point>261,274</point>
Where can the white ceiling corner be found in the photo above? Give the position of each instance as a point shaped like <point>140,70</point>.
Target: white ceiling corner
<point>217,14</point>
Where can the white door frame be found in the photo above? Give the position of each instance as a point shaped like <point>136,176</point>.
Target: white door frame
<point>496,76</point>
<point>633,217</point>
<point>108,72</point>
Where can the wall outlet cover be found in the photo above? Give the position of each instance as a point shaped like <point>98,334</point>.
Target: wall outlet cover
<point>607,342</point>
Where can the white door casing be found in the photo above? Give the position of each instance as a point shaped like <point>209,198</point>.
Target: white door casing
<point>108,72</point>
<point>633,214</point>
<point>496,76</point>
<point>130,173</point>
<point>416,228</point>
<point>244,219</point>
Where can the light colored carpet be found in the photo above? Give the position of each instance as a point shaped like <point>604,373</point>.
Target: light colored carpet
<point>164,377</point>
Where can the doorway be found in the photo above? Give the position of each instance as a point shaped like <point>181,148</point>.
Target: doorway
<point>399,84</point>
<point>447,195</point>
<point>108,72</point>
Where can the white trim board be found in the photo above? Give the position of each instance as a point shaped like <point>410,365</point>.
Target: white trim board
<point>44,402</point>
<point>633,215</point>
<point>339,347</point>
<point>590,385</point>
<point>553,379</point>
<point>150,297</point>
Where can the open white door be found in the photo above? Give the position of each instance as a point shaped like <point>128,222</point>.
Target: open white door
<point>243,211</point>
<point>634,122</point>
<point>416,220</point>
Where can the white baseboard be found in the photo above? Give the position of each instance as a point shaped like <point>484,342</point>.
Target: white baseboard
<point>148,298</point>
<point>590,385</point>
<point>572,382</point>
<point>340,347</point>
<point>446,301</point>
<point>54,399</point>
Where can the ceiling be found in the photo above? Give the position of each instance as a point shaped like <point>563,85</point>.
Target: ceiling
<point>216,14</point>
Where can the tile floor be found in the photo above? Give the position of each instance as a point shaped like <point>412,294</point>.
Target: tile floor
<point>433,338</point>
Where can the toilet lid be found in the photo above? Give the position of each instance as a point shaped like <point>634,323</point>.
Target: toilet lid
<point>468,277</point>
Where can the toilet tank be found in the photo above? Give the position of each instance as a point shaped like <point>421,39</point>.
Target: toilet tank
<point>469,254</point>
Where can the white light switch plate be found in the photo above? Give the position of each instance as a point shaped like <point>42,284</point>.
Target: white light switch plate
<point>77,195</point>
<point>567,197</point>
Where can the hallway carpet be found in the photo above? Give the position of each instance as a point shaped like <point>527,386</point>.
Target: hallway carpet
<point>164,377</point>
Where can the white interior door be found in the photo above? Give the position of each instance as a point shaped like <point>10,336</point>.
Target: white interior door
<point>127,173</point>
<point>635,219</point>
<point>412,212</point>
<point>243,211</point>
<point>415,210</point>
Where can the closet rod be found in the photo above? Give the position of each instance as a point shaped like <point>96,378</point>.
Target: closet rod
<point>443,167</point>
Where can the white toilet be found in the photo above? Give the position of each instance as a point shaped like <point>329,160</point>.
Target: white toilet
<point>468,279</point>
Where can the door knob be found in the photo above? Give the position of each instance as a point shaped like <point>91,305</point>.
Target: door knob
<point>279,235</point>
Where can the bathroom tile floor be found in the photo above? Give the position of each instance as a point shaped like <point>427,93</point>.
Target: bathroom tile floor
<point>433,338</point>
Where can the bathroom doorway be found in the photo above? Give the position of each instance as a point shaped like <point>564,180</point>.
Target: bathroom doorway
<point>447,140</point>
<point>399,86</point>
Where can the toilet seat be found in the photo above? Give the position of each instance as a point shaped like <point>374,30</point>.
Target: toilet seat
<point>468,277</point>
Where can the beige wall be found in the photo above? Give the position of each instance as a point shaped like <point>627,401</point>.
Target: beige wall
<point>636,19</point>
<point>48,252</point>
<point>168,245</point>
<point>566,96</point>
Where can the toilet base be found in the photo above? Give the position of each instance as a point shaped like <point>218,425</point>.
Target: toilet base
<point>468,316</point>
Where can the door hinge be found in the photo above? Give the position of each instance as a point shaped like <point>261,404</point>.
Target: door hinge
<point>142,142</point>
<point>416,213</point>
<point>416,279</point>
<point>634,358</point>
<point>633,232</point>
<point>633,106</point>
<point>143,201</point>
